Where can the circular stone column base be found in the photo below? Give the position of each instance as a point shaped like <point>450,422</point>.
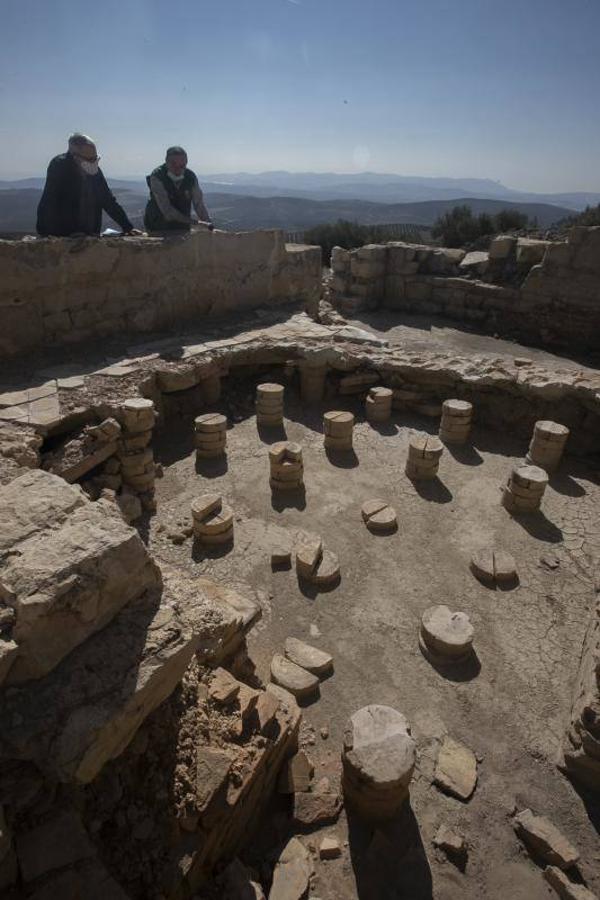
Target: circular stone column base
<point>378,760</point>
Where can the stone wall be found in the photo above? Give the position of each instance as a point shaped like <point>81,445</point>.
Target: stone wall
<point>553,300</point>
<point>60,291</point>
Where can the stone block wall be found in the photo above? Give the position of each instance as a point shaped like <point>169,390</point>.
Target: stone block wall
<point>557,303</point>
<point>59,291</point>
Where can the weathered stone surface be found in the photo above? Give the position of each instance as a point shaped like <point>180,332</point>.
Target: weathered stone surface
<point>329,848</point>
<point>309,550</point>
<point>67,581</point>
<point>564,887</point>
<point>296,774</point>
<point>378,758</point>
<point>88,879</point>
<point>238,884</point>
<point>327,572</point>
<point>446,635</point>
<point>492,565</point>
<point>455,769</point>
<point>212,771</point>
<point>223,687</point>
<point>60,841</point>
<point>292,873</point>
<point>310,658</point>
<point>313,809</point>
<point>87,710</point>
<point>33,502</point>
<point>296,680</point>
<point>581,747</point>
<point>544,840</point>
<point>450,842</point>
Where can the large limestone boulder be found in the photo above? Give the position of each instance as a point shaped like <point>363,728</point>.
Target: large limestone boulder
<point>87,710</point>
<point>69,565</point>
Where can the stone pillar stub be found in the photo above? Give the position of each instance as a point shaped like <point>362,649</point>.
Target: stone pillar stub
<point>378,760</point>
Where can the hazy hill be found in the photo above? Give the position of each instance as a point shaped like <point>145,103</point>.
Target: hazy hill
<point>371,186</point>
<point>241,212</point>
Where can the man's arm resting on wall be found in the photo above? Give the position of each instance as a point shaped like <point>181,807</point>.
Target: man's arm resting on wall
<point>199,206</point>
<point>113,208</point>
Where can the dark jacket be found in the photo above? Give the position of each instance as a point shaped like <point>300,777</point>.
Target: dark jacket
<point>59,209</point>
<point>180,198</point>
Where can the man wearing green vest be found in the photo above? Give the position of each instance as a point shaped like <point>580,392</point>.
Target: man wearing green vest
<point>173,190</point>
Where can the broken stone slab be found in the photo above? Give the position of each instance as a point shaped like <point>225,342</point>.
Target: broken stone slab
<point>455,769</point>
<point>327,572</point>
<point>451,843</point>
<point>58,842</point>
<point>240,610</point>
<point>329,848</point>
<point>310,658</point>
<point>238,884</point>
<point>87,710</point>
<point>309,550</point>
<point>213,766</point>
<point>564,887</point>
<point>313,809</point>
<point>267,706</point>
<point>378,759</point>
<point>223,687</point>
<point>293,678</point>
<point>285,698</point>
<point>296,774</point>
<point>544,840</point>
<point>88,879</point>
<point>69,581</point>
<point>293,872</point>
<point>281,557</point>
<point>34,502</point>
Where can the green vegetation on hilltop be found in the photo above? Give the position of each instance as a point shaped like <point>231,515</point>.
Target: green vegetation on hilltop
<point>350,235</point>
<point>459,226</point>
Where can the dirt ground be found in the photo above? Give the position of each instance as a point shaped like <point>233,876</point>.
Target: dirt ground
<point>511,708</point>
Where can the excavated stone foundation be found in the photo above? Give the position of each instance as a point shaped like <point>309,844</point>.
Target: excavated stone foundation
<point>195,600</point>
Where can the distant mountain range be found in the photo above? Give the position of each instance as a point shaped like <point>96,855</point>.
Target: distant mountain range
<point>372,186</point>
<point>297,201</point>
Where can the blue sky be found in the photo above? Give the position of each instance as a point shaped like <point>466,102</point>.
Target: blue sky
<point>505,89</point>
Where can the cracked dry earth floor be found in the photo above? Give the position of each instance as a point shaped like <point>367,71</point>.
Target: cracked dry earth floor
<point>512,713</point>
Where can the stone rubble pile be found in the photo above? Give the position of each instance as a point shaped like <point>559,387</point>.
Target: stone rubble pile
<point>210,435</point>
<point>286,466</point>
<point>455,425</point>
<point>524,490</point>
<point>547,445</point>
<point>269,405</point>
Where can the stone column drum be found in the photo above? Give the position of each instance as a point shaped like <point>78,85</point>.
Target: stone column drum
<point>210,435</point>
<point>455,425</point>
<point>378,404</point>
<point>525,489</point>
<point>424,452</point>
<point>378,759</point>
<point>337,427</point>
<point>269,405</point>
<point>547,445</point>
<point>138,470</point>
<point>286,466</point>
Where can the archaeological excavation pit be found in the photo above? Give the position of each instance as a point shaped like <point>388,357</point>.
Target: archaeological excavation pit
<point>217,554</point>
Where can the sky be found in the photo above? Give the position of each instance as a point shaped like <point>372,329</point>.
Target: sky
<point>460,88</point>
